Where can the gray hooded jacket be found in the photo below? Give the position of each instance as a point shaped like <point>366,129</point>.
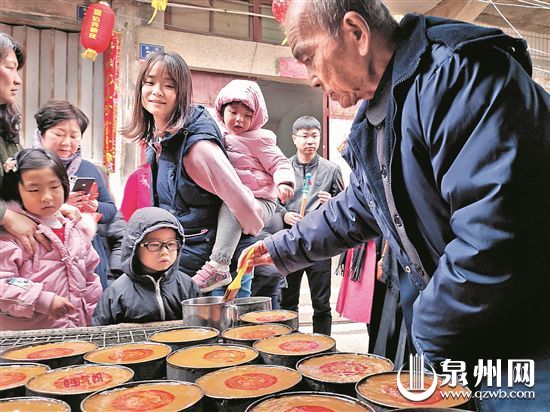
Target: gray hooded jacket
<point>136,296</point>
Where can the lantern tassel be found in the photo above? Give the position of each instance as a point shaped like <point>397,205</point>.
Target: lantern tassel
<point>89,54</point>
<point>157,5</point>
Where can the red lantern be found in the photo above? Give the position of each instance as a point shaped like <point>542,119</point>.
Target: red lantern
<point>279,8</point>
<point>97,29</point>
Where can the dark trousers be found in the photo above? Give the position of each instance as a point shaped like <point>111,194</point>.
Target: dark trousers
<point>318,276</point>
<point>267,284</point>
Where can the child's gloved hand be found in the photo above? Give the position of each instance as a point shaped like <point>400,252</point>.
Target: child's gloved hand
<point>60,307</point>
<point>285,192</point>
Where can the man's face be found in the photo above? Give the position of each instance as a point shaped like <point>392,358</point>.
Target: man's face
<point>307,141</point>
<point>334,65</point>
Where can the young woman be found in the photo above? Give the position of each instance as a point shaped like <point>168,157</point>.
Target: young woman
<point>191,174</point>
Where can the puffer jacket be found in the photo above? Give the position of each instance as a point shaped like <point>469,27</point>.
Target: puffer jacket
<point>467,149</point>
<point>29,282</point>
<point>326,176</point>
<point>254,154</point>
<point>136,296</point>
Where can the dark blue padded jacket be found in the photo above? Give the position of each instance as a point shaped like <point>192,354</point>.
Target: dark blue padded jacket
<point>467,144</point>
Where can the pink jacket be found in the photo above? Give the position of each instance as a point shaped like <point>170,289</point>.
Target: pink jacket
<point>258,161</point>
<point>28,283</point>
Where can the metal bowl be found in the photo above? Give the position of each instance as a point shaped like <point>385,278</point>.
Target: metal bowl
<point>325,384</point>
<point>381,405</point>
<point>55,361</point>
<point>19,388</point>
<point>359,406</point>
<point>155,402</point>
<point>191,374</point>
<point>179,344</point>
<point>284,329</point>
<point>238,403</point>
<point>293,321</point>
<point>33,402</point>
<point>148,369</point>
<point>75,397</point>
<point>289,360</point>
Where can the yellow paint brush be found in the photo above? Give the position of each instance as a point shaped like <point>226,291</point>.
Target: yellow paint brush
<point>234,287</point>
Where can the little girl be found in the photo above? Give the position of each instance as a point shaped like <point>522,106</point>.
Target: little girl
<point>262,167</point>
<point>54,287</point>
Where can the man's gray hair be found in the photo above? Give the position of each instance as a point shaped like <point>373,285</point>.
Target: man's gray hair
<point>328,15</point>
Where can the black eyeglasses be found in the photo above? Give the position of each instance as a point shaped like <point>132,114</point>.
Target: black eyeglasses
<point>157,246</point>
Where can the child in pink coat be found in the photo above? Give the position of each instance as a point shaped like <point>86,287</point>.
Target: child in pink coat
<point>54,288</point>
<point>262,167</point>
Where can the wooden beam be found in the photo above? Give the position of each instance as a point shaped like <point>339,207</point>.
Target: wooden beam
<point>465,10</point>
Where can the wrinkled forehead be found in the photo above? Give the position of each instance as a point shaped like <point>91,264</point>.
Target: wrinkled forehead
<point>9,57</point>
<point>298,25</point>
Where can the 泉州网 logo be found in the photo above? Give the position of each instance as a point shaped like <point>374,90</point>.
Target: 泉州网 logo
<point>416,390</point>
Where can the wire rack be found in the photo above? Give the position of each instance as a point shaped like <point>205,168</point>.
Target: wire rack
<point>100,335</point>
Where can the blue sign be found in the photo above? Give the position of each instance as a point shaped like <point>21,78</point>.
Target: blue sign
<point>145,49</point>
<point>80,11</point>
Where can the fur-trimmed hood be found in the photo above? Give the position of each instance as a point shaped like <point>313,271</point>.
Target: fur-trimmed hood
<point>86,223</point>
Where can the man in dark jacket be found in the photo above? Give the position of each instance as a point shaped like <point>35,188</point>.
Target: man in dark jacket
<point>450,153</point>
<point>325,182</point>
<point>152,287</point>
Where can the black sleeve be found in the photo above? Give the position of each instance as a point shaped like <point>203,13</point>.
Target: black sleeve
<point>108,309</point>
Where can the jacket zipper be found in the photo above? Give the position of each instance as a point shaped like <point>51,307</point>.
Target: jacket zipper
<point>159,297</point>
<point>202,232</point>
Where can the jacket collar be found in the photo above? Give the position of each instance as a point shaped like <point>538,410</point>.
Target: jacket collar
<point>313,162</point>
<point>412,44</point>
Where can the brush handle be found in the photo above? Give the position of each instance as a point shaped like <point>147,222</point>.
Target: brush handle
<point>234,287</point>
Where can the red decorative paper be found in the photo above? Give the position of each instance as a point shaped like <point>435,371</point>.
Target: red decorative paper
<point>290,67</point>
<point>111,75</point>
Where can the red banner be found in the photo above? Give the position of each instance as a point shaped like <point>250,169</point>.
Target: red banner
<point>111,75</point>
<point>290,67</point>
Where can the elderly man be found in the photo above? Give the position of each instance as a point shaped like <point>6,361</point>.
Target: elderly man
<point>450,154</point>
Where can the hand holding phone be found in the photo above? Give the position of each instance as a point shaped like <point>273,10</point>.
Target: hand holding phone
<point>83,184</point>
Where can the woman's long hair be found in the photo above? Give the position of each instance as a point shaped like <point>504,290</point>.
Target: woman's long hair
<point>142,124</point>
<point>10,117</point>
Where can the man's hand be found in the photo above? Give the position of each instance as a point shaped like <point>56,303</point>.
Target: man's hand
<point>60,307</point>
<point>291,218</point>
<point>324,196</point>
<point>260,256</point>
<point>285,192</point>
<point>25,230</point>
